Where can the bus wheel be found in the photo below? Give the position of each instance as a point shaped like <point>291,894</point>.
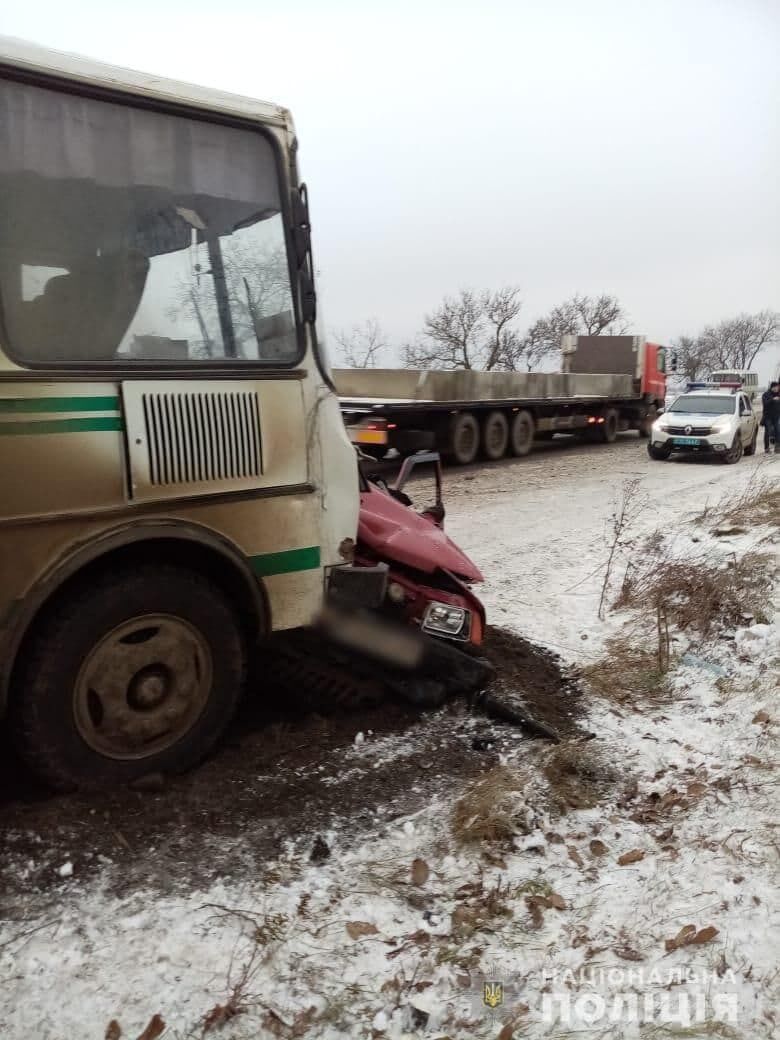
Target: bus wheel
<point>495,435</point>
<point>137,672</point>
<point>463,439</point>
<point>522,433</point>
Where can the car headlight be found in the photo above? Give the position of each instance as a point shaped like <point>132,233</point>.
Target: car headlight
<point>721,426</point>
<point>444,619</point>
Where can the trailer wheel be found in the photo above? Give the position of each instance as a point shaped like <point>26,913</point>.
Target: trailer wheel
<point>609,428</point>
<point>139,672</point>
<point>522,433</point>
<point>495,435</point>
<point>463,439</point>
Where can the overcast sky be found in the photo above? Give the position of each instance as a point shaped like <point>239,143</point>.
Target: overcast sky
<point>623,146</point>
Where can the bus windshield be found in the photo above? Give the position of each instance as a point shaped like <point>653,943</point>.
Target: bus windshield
<point>128,234</point>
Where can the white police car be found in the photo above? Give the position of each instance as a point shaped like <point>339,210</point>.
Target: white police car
<point>706,422</point>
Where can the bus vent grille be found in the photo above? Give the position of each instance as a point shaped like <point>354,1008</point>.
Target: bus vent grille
<point>197,437</point>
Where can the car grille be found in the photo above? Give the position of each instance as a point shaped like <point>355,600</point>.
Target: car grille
<point>695,431</point>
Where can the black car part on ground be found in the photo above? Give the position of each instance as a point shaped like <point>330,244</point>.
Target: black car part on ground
<point>324,676</point>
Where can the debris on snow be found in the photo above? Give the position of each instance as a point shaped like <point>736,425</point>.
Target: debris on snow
<point>512,876</point>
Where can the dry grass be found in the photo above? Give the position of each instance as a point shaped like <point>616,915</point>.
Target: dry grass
<point>629,670</point>
<point>577,775</point>
<point>758,503</point>
<point>695,595</point>
<point>488,811</point>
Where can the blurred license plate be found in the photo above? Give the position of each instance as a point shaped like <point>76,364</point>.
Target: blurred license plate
<point>691,442</point>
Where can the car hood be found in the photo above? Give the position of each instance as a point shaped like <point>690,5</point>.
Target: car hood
<point>695,418</point>
<point>396,533</point>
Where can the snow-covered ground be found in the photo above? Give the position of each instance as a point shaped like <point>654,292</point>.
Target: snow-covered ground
<point>645,908</point>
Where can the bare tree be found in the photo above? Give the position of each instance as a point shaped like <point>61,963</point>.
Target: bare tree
<point>579,316</point>
<point>258,285</point>
<point>479,330</point>
<point>737,342</point>
<point>363,346</point>
<point>471,330</point>
<point>734,343</point>
<point>694,357</point>
<point>500,309</point>
<point>599,315</point>
<point>451,334</point>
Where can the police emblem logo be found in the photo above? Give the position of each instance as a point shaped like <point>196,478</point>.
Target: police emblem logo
<point>493,995</point>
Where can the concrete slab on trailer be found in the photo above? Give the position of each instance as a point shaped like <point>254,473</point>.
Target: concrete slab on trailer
<point>374,386</point>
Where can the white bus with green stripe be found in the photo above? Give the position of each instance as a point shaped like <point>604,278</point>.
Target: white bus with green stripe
<point>175,474</point>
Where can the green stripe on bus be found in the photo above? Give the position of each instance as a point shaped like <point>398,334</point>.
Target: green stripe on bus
<point>286,562</point>
<point>15,405</point>
<point>98,423</point>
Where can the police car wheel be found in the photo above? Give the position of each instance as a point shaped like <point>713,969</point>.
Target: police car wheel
<point>735,452</point>
<point>658,454</point>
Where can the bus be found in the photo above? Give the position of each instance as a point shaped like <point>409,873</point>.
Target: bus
<point>176,478</point>
<point>747,380</point>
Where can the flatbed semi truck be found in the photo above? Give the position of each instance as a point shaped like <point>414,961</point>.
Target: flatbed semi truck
<point>606,384</point>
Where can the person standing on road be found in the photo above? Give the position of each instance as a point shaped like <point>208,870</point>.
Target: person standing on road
<point>770,400</point>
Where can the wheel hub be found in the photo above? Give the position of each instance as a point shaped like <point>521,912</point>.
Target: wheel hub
<point>149,687</point>
<point>142,687</point>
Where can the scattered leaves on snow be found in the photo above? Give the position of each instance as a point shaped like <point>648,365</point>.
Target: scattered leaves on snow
<point>357,929</point>
<point>634,856</point>
<point>420,871</point>
<point>690,936</point>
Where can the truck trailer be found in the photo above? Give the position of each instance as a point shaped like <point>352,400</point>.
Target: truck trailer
<point>606,384</point>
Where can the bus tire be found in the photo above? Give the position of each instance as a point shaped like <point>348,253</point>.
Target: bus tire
<point>495,436</point>
<point>608,430</point>
<point>138,672</point>
<point>522,434</point>
<point>463,439</point>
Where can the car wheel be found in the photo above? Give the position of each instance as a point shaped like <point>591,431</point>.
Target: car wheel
<point>735,452</point>
<point>657,453</point>
<point>751,448</point>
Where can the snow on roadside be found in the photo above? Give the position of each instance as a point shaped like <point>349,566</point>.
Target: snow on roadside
<point>396,937</point>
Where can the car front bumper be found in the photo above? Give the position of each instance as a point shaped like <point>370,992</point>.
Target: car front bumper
<point>715,443</point>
